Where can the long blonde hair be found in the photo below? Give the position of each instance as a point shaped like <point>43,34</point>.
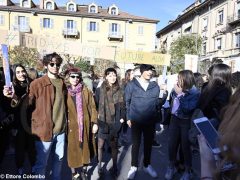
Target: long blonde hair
<point>229,130</point>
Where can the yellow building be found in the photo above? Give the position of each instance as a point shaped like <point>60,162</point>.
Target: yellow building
<point>86,24</point>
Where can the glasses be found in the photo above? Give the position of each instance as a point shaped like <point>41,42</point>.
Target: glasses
<point>52,64</point>
<point>72,76</point>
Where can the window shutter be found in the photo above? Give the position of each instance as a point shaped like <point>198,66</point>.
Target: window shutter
<point>88,26</point>
<point>74,24</point>
<point>16,20</point>
<point>51,23</point>
<point>41,22</point>
<point>27,21</point>
<point>110,28</point>
<point>97,27</point>
<point>2,20</point>
<point>65,24</point>
<point>119,29</point>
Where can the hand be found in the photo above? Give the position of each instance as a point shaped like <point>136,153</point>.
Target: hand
<point>129,123</point>
<point>163,87</point>
<point>122,120</point>
<point>8,91</point>
<point>205,152</point>
<point>177,89</point>
<point>94,128</point>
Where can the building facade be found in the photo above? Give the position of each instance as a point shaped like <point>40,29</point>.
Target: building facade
<point>217,22</point>
<point>86,24</point>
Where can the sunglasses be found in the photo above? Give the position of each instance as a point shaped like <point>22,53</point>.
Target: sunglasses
<point>72,76</point>
<point>52,64</point>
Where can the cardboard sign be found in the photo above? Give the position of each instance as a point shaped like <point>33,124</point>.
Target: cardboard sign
<point>191,62</point>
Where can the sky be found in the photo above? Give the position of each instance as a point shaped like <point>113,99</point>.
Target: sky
<point>163,10</point>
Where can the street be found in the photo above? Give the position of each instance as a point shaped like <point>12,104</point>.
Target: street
<point>159,162</point>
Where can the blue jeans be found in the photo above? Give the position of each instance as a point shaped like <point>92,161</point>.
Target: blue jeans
<point>54,148</point>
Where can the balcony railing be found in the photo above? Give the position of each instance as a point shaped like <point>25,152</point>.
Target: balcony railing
<point>70,32</point>
<point>115,36</point>
<point>234,17</point>
<point>20,28</point>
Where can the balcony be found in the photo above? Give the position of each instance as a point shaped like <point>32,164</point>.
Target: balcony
<point>25,29</point>
<point>115,36</point>
<point>235,18</point>
<point>70,33</point>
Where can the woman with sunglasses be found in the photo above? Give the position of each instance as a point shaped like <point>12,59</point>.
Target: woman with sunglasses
<point>24,140</point>
<point>111,113</point>
<point>82,119</point>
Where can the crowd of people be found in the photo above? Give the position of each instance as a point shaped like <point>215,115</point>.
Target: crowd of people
<point>61,110</point>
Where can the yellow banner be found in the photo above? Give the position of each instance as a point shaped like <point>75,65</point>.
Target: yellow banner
<point>126,56</point>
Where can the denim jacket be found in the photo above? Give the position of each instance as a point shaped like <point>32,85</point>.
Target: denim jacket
<point>188,102</point>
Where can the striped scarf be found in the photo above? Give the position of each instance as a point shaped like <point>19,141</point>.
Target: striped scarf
<point>79,106</point>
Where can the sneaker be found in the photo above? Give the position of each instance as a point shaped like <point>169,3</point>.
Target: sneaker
<point>170,173</point>
<point>187,175</point>
<point>132,172</point>
<point>156,144</point>
<point>150,171</point>
<point>75,176</point>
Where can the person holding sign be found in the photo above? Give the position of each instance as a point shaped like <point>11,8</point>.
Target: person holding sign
<point>18,92</point>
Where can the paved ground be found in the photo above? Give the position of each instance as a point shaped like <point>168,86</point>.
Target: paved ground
<point>159,162</point>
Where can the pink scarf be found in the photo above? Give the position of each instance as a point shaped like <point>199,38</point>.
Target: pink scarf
<point>79,106</point>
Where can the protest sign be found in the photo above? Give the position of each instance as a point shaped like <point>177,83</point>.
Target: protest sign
<point>6,67</point>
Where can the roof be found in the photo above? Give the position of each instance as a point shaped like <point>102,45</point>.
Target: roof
<point>178,20</point>
<point>82,11</point>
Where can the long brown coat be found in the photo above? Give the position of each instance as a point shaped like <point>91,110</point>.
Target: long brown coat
<point>77,153</point>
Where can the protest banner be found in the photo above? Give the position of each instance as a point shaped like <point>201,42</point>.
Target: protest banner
<point>48,44</point>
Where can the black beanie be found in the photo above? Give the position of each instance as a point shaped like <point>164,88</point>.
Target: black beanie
<point>146,67</point>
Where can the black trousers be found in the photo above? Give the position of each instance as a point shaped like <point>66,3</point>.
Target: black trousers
<point>24,144</point>
<point>4,141</point>
<point>178,135</point>
<point>148,134</point>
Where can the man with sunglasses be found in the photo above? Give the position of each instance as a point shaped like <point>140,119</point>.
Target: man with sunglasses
<point>47,98</point>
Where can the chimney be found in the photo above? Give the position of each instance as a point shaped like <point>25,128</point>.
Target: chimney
<point>41,5</point>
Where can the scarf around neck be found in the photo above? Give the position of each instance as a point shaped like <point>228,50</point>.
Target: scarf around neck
<point>79,106</point>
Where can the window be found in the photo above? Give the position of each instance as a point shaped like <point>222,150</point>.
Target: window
<point>92,9</point>
<point>70,24</point>
<point>71,7</point>
<point>114,11</point>
<point>22,22</point>
<point>1,20</point>
<point>49,5</point>
<point>238,9</point>
<point>237,39</point>
<point>46,23</point>
<point>204,48</point>
<point>218,44</point>
<point>2,3</point>
<point>205,24</point>
<point>220,17</point>
<point>114,29</point>
<point>93,26</point>
<point>25,3</point>
<point>140,30</point>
